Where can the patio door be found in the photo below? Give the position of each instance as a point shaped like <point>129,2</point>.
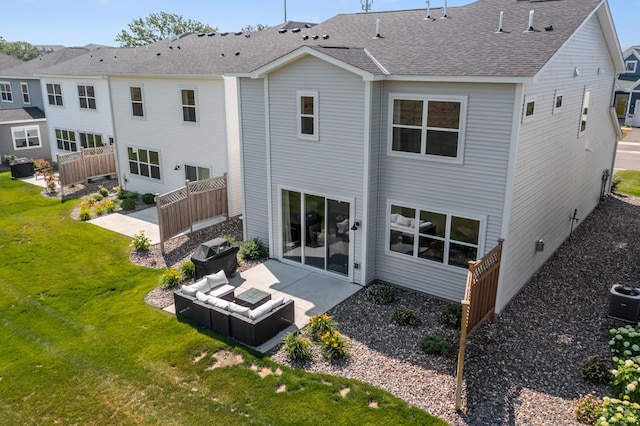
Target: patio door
<point>316,231</point>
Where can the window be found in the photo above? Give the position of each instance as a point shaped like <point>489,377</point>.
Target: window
<point>5,91</point>
<point>90,140</point>
<point>437,237</point>
<point>194,173</point>
<point>87,97</point>
<point>54,93</point>
<point>143,162</point>
<point>585,111</point>
<point>66,140</point>
<point>428,127</point>
<point>630,66</point>
<point>307,104</point>
<point>26,137</point>
<point>189,105</point>
<point>557,103</point>
<point>24,87</point>
<point>529,108</point>
<point>136,101</point>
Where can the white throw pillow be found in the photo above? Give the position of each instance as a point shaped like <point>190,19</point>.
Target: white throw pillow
<point>217,302</point>
<point>201,285</point>
<point>217,279</point>
<point>201,296</point>
<point>260,311</point>
<point>394,217</point>
<point>237,309</point>
<point>403,221</point>
<point>272,304</point>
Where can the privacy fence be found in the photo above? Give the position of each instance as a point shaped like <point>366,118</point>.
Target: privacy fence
<point>198,201</point>
<point>479,302</point>
<point>89,163</point>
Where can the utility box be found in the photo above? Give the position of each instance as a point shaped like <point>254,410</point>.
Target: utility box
<point>624,303</point>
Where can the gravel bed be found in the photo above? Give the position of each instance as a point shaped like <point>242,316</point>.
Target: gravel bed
<point>524,367</point>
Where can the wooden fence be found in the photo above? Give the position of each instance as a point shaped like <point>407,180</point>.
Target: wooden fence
<point>479,302</point>
<point>198,201</point>
<point>89,163</point>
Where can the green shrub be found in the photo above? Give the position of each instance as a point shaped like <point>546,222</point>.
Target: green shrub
<point>140,242</point>
<point>85,212</point>
<point>120,192</point>
<point>297,348</point>
<point>404,316</point>
<point>99,209</point>
<point>434,345</point>
<point>230,238</point>
<point>253,249</point>
<point>109,206</point>
<point>132,195</point>
<point>7,159</point>
<point>626,378</point>
<point>334,345</point>
<point>625,342</point>
<point>618,412</point>
<point>596,371</point>
<point>615,182</point>
<point>187,270</point>
<point>128,204</point>
<point>170,278</point>
<point>320,324</point>
<point>103,191</point>
<point>452,316</point>
<point>98,197</point>
<point>149,198</point>
<point>587,408</point>
<point>380,294</point>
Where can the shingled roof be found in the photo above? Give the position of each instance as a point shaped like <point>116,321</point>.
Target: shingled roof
<point>20,114</point>
<point>7,61</point>
<point>34,66</point>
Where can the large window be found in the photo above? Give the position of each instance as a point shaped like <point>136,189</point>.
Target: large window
<point>194,173</point>
<point>137,108</point>
<point>427,127</point>
<point>143,162</point>
<point>307,104</point>
<point>189,105</point>
<point>5,91</point>
<point>87,97</point>
<point>90,140</point>
<point>585,110</point>
<point>439,237</point>
<point>26,137</point>
<point>66,140</point>
<point>54,93</point>
<point>26,99</point>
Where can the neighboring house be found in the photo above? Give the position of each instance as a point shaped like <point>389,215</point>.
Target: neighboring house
<point>399,146</point>
<point>20,90</point>
<point>627,95</point>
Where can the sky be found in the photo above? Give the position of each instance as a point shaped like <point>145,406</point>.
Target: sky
<point>81,22</point>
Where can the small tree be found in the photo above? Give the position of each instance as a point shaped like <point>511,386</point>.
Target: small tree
<point>19,49</point>
<point>158,26</point>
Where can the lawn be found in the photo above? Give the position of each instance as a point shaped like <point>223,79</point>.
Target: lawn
<point>78,344</point>
<point>629,182</point>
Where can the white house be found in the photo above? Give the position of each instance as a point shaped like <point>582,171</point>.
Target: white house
<point>400,145</point>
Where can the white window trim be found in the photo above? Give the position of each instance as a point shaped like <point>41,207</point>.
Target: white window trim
<point>635,67</point>
<point>426,98</point>
<point>139,176</point>
<point>76,140</point>
<point>87,97</point>
<point>196,166</point>
<point>195,101</point>
<point>144,110</point>
<point>86,133</point>
<point>10,92</point>
<point>25,129</point>
<point>447,238</point>
<point>22,93</point>
<point>557,109</point>
<point>582,115</point>
<point>527,100</point>
<point>53,84</point>
<point>299,115</point>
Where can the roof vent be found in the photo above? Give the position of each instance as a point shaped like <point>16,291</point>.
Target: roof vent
<point>237,53</point>
<point>158,54</point>
<point>307,25</point>
<point>238,33</point>
<point>103,59</point>
<point>530,21</point>
<point>211,34</point>
<point>305,37</point>
<point>500,29</point>
<point>548,28</point>
<point>377,29</point>
<point>282,30</point>
<point>224,34</point>
<point>201,35</point>
<point>444,11</point>
<point>171,47</point>
<point>296,30</point>
<point>325,36</point>
<point>428,17</point>
<point>247,36</point>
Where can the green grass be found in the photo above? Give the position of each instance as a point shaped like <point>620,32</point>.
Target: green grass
<point>78,344</point>
<point>629,182</point>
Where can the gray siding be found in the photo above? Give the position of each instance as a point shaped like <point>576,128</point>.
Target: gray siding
<point>557,171</point>
<point>333,165</point>
<point>254,158</point>
<point>35,94</point>
<point>376,150</point>
<point>6,141</point>
<point>475,188</point>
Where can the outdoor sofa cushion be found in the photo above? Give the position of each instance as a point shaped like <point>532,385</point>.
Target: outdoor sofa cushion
<point>265,308</point>
<point>192,289</point>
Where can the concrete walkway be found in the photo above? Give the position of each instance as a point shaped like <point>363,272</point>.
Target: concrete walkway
<point>628,153</point>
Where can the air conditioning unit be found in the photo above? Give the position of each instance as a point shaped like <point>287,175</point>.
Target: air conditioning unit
<point>624,303</point>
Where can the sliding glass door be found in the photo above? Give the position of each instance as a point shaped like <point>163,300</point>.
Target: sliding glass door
<point>315,231</point>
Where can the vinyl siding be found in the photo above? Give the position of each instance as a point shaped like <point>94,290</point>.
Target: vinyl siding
<point>35,94</point>
<point>6,141</point>
<point>254,159</point>
<point>558,171</point>
<point>474,189</point>
<point>201,144</point>
<point>333,165</point>
<point>376,150</point>
<point>233,145</point>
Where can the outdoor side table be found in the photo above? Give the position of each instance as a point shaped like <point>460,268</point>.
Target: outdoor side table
<point>252,298</point>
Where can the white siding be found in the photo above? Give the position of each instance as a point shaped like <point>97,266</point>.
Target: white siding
<point>201,144</point>
<point>376,148</point>
<point>233,145</point>
<point>332,165</point>
<point>555,173</point>
<point>474,189</point>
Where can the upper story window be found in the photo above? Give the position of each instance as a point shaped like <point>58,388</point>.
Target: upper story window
<point>439,237</point>
<point>66,140</point>
<point>90,140</point>
<point>87,97</point>
<point>26,137</point>
<point>194,173</point>
<point>427,127</point>
<point>529,108</point>
<point>188,105</point>
<point>585,111</point>
<point>307,105</point>
<point>54,93</point>
<point>630,66</point>
<point>144,162</point>
<point>137,108</point>
<point>557,102</point>
<point>26,99</point>
<point>5,91</point>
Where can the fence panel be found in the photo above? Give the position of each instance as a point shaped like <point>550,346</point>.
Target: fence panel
<point>208,198</point>
<point>71,169</point>
<point>100,161</point>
